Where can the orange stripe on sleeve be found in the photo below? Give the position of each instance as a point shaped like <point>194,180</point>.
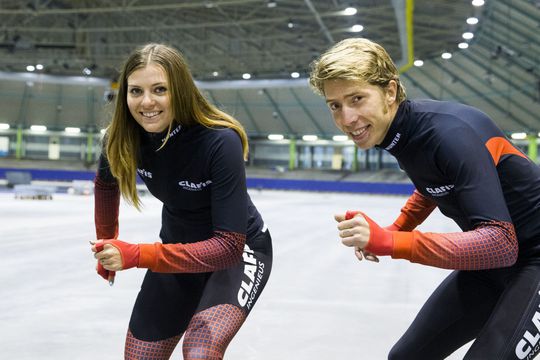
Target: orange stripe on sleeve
<point>219,252</point>
<point>499,146</point>
<point>491,245</point>
<point>416,210</point>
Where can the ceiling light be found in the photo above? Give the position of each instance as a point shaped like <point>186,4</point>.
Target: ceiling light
<point>4,126</point>
<point>467,35</point>
<point>357,28</point>
<point>472,21</point>
<point>477,2</point>
<point>340,138</point>
<point>38,128</point>
<point>463,45</point>
<point>30,68</point>
<point>87,71</point>
<point>275,137</point>
<point>418,62</point>
<point>310,137</point>
<point>350,11</point>
<point>72,130</point>
<point>446,55</point>
<point>215,73</point>
<point>39,67</point>
<point>519,136</point>
<point>290,24</point>
<point>246,76</point>
<point>271,4</point>
<point>295,75</point>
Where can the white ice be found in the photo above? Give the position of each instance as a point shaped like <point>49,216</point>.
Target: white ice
<point>320,303</point>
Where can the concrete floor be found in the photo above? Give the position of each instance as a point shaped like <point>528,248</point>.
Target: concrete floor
<point>320,303</point>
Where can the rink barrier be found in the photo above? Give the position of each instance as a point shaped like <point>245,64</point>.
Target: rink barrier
<point>331,186</point>
<point>253,183</point>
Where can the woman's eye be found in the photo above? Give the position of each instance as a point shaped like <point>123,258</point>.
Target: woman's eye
<point>357,98</point>
<point>334,107</point>
<point>160,90</point>
<point>135,91</point>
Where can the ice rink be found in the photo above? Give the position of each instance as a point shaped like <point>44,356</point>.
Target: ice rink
<point>320,303</point>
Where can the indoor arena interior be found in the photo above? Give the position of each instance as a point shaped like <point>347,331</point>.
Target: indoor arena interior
<point>73,172</point>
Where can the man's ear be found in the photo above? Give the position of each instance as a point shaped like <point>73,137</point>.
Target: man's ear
<point>391,91</point>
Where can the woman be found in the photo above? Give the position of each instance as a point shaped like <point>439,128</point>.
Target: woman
<point>215,257</point>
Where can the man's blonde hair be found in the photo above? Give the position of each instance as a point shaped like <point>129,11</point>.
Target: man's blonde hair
<point>356,59</point>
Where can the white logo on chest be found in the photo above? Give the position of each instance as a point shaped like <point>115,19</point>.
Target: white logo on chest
<point>440,190</point>
<point>191,186</point>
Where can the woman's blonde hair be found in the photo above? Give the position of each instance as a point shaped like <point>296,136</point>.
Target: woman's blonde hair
<point>356,59</point>
<point>188,105</point>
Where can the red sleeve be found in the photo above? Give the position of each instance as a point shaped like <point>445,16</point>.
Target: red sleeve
<point>221,251</point>
<point>490,245</point>
<point>416,210</point>
<point>106,205</point>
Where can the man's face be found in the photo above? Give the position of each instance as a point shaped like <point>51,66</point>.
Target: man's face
<point>364,112</point>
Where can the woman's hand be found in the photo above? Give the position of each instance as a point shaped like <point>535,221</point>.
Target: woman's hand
<point>110,257</point>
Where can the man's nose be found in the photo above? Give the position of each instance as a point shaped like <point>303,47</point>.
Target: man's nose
<point>348,115</point>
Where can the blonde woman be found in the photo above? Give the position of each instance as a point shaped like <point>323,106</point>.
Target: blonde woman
<point>215,253</point>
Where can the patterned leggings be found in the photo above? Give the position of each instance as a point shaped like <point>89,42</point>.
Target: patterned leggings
<point>207,336</point>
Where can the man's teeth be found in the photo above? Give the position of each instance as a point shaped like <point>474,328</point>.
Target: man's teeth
<point>150,114</point>
<point>358,132</point>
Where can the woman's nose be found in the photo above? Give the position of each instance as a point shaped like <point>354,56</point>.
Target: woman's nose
<point>147,99</point>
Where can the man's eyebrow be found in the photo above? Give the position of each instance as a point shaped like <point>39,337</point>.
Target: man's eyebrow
<point>348,95</point>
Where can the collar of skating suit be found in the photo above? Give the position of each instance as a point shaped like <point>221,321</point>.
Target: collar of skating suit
<point>157,139</point>
<point>396,137</point>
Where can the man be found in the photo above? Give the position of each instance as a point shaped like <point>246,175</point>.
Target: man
<point>460,162</point>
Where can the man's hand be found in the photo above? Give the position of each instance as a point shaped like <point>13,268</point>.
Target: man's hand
<point>354,232</point>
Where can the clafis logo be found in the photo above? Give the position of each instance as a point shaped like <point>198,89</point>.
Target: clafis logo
<point>528,346</point>
<point>192,186</point>
<point>144,173</point>
<point>440,190</point>
<point>253,276</point>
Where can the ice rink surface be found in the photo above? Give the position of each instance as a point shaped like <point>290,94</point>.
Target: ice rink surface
<point>320,303</point>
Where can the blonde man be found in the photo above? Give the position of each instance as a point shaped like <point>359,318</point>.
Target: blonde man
<point>460,162</point>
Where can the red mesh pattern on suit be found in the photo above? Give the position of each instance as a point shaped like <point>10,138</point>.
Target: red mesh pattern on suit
<point>210,332</point>
<point>219,252</point>
<point>416,210</point>
<point>106,205</point>
<point>491,245</point>
<point>149,350</point>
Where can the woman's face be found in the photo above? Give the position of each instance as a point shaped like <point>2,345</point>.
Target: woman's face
<point>148,98</point>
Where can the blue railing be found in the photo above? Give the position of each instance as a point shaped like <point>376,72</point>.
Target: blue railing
<point>254,183</point>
